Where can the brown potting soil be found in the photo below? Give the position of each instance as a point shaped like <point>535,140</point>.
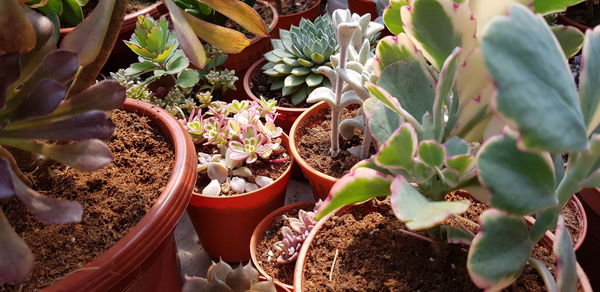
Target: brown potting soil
<point>260,86</point>
<point>132,6</point>
<point>294,6</point>
<point>114,199</point>
<point>373,255</point>
<point>259,167</point>
<point>314,143</point>
<point>265,13</point>
<point>267,255</point>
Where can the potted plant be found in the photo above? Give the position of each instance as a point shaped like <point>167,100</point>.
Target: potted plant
<point>292,12</point>
<point>245,166</point>
<point>289,72</point>
<point>43,118</point>
<point>352,67</point>
<point>419,162</point>
<point>222,277</point>
<point>277,239</point>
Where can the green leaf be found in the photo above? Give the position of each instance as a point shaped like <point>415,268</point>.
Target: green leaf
<point>521,183</point>
<point>140,68</point>
<point>359,185</point>
<point>299,96</point>
<point>391,49</point>
<point>461,163</point>
<point>456,235</point>
<point>391,16</point>
<point>552,6</point>
<point>271,57</point>
<point>570,39</point>
<point>301,71</point>
<point>432,153</point>
<point>421,172</point>
<point>589,94</point>
<point>72,13</point>
<point>411,85</point>
<point>51,5</point>
<point>188,40</point>
<point>188,78</point>
<point>283,68</point>
<point>317,58</point>
<point>499,251</point>
<point>177,64</point>
<point>566,264</point>
<point>536,92</point>
<point>456,146</point>
<point>543,271</point>
<point>313,79</point>
<point>416,211</point>
<point>398,151</point>
<point>381,120</point>
<point>285,91</point>
<point>292,81</point>
<point>443,91</point>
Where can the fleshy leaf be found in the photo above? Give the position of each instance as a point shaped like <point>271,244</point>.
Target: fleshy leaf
<point>391,16</point>
<point>7,188</point>
<point>16,32</point>
<point>381,120</point>
<point>416,211</point>
<point>241,13</point>
<point>536,92</point>
<point>510,173</point>
<point>391,49</point>
<point>228,40</point>
<point>589,95</point>
<point>461,163</point>
<point>543,271</point>
<point>499,251</point>
<point>195,284</point>
<point>188,41</point>
<point>398,151</point>
<point>432,153</point>
<point>188,78</point>
<point>570,39</point>
<point>443,91</point>
<point>566,264</point>
<point>16,260</point>
<point>43,100</point>
<point>456,235</point>
<point>359,185</point>
<point>456,146</point>
<point>552,6</point>
<point>10,70</point>
<point>105,95</point>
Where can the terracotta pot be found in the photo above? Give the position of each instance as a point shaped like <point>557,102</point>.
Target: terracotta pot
<point>563,19</point>
<point>146,258</point>
<point>262,227</point>
<point>257,48</point>
<point>589,253</point>
<point>286,21</point>
<point>363,7</point>
<point>365,209</point>
<point>121,55</point>
<point>224,224</point>
<point>319,182</point>
<point>287,115</point>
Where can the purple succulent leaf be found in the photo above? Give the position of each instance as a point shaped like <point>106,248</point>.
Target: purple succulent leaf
<point>92,124</point>
<point>47,210</point>
<point>195,284</point>
<point>44,29</point>
<point>44,99</point>
<point>7,188</point>
<point>105,95</point>
<point>86,155</point>
<point>16,260</point>
<point>10,71</point>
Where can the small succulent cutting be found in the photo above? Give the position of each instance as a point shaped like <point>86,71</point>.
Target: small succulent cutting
<point>241,132</point>
<point>294,234</point>
<point>37,116</point>
<point>221,277</point>
<point>352,68</point>
<point>297,55</point>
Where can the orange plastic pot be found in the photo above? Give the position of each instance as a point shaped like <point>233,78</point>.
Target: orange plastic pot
<point>363,7</point>
<point>240,62</point>
<point>287,115</point>
<point>365,209</point>
<point>286,21</point>
<point>146,258</point>
<point>224,224</point>
<point>319,182</point>
<point>261,228</point>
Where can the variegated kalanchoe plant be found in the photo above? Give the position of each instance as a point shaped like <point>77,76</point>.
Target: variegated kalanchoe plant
<point>294,234</point>
<point>352,67</point>
<point>42,111</point>
<point>518,70</point>
<point>221,277</point>
<point>297,55</point>
<point>242,132</point>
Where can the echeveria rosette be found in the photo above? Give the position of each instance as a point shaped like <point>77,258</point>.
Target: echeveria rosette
<point>222,277</point>
<point>523,167</point>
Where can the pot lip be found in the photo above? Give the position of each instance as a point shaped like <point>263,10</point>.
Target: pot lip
<point>302,254</point>
<point>293,140</point>
<point>259,230</point>
<point>160,220</point>
<point>281,177</point>
<point>251,72</point>
<point>317,3</point>
<point>128,17</point>
<point>271,26</point>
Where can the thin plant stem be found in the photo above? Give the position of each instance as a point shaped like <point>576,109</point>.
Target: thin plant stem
<point>333,263</point>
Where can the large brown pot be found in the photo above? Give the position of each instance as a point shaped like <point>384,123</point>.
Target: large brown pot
<point>257,48</point>
<point>589,253</point>
<point>365,209</point>
<point>319,182</point>
<point>286,21</point>
<point>224,224</point>
<point>145,259</point>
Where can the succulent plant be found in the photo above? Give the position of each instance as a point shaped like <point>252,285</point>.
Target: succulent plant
<point>294,234</point>
<point>69,12</point>
<point>297,55</point>
<point>221,277</point>
<point>352,67</point>
<point>36,115</point>
<point>242,132</point>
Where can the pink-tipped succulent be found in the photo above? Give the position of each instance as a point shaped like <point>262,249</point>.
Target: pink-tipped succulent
<point>252,145</point>
<point>295,234</point>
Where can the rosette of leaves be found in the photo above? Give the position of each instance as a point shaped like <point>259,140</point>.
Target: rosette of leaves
<point>296,56</point>
<point>158,50</point>
<point>221,277</point>
<point>37,116</point>
<point>294,234</point>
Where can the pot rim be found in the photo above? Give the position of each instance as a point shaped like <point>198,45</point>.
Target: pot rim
<point>160,220</point>
<point>260,229</point>
<point>251,72</point>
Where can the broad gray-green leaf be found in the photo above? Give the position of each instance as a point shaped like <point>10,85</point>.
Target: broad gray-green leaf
<point>461,163</point>
<point>456,235</point>
<point>521,183</point>
<point>456,146</point>
<point>589,95</point>
<point>391,49</point>
<point>566,264</point>
<point>381,120</point>
<point>292,81</point>
<point>188,78</point>
<point>570,39</point>
<point>443,90</point>
<point>499,251</point>
<point>536,92</point>
<point>398,151</point>
<point>416,211</point>
<point>432,153</point>
<point>552,6</point>
<point>322,94</point>
<point>313,79</point>
<point>359,185</point>
<point>391,16</point>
